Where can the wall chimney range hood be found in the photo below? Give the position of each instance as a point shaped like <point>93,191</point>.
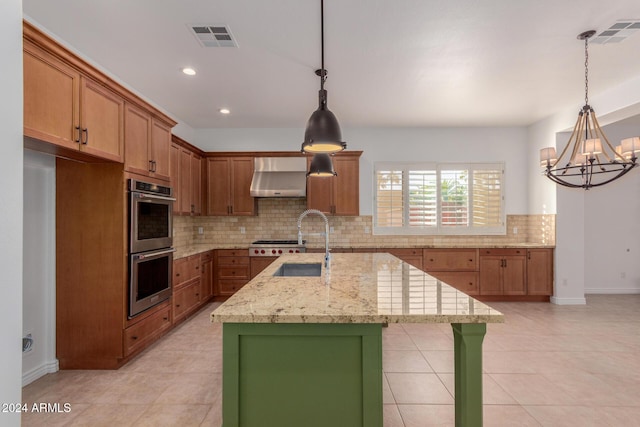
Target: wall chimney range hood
<point>279,177</point>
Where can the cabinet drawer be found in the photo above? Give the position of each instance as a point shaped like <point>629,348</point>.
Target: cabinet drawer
<point>503,251</point>
<point>230,286</point>
<point>142,332</point>
<point>185,269</point>
<point>233,252</point>
<point>233,260</point>
<point>450,259</point>
<point>402,252</point>
<point>186,299</point>
<point>466,282</point>
<point>233,272</point>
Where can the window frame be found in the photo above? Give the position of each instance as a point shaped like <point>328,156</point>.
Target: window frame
<point>439,229</point>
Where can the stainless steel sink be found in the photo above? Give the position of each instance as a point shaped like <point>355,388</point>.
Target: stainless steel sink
<point>290,269</point>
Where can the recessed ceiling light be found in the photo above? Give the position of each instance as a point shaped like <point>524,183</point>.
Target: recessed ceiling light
<point>224,111</point>
<point>189,71</point>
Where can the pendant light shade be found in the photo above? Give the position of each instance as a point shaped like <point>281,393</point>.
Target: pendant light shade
<point>321,165</point>
<point>322,134</point>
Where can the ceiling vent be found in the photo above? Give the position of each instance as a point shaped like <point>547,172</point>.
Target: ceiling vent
<point>213,35</point>
<point>617,32</point>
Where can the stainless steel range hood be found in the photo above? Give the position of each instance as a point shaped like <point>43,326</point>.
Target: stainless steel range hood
<point>279,177</point>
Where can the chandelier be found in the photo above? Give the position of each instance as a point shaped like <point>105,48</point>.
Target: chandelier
<point>589,160</point>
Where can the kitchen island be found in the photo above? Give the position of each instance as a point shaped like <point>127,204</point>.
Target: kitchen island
<point>308,350</point>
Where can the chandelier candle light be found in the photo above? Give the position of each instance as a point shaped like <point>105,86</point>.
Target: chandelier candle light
<point>589,160</point>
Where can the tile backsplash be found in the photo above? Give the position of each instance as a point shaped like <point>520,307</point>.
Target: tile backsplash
<point>277,219</point>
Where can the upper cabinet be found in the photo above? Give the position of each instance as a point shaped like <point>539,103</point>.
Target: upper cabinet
<point>73,110</point>
<point>186,177</point>
<point>339,195</point>
<point>65,108</point>
<point>148,142</point>
<point>228,183</point>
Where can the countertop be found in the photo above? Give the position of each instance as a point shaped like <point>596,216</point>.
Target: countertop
<point>359,288</point>
<point>194,249</point>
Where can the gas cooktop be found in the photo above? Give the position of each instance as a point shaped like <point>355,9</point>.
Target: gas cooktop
<point>276,247</point>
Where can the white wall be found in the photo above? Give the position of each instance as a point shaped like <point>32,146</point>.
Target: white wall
<point>612,229</point>
<point>39,272</point>
<point>11,153</point>
<point>592,236</point>
<point>389,144</point>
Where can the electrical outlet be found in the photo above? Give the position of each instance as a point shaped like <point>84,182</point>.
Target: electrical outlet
<point>367,230</point>
<point>243,230</point>
<point>200,230</point>
<point>331,230</point>
<point>515,230</point>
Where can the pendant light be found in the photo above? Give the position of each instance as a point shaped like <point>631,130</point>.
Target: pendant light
<point>322,134</point>
<point>589,160</point>
<point>321,166</point>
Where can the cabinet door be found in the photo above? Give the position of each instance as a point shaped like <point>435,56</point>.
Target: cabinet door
<point>218,186</point>
<point>491,275</point>
<point>196,184</point>
<point>514,275</point>
<point>260,263</point>
<point>101,121</point>
<point>450,259</point>
<point>159,149</point>
<point>346,186</point>
<point>186,299</point>
<point>241,201</point>
<point>540,272</point>
<point>319,193</point>
<point>185,181</point>
<point>51,98</point>
<point>207,279</point>
<point>174,168</point>
<point>137,128</point>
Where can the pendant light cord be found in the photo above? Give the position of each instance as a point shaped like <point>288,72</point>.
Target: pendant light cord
<point>323,73</point>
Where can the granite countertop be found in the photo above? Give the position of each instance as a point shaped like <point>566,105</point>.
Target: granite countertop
<point>358,288</point>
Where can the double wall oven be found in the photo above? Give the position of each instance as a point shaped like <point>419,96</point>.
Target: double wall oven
<point>150,244</point>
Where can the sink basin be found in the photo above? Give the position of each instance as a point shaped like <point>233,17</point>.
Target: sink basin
<point>299,269</point>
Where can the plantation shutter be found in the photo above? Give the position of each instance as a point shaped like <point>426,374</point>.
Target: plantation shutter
<point>487,198</point>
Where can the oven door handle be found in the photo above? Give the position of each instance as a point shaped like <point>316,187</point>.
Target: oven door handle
<point>152,254</point>
<point>153,196</point>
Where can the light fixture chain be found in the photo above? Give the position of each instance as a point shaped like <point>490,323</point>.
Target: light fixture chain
<point>586,71</point>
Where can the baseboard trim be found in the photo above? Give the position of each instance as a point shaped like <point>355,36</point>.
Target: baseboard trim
<point>612,291</point>
<point>40,371</point>
<point>568,301</point>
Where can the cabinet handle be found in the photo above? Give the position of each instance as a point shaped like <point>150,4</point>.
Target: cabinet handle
<point>470,259</point>
<point>86,136</point>
<point>134,337</point>
<point>177,274</point>
<point>165,318</point>
<point>177,305</point>
<point>431,259</point>
<point>505,263</point>
<point>79,132</point>
<point>150,165</point>
<point>528,254</point>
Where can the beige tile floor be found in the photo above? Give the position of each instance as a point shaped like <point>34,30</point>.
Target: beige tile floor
<point>547,365</point>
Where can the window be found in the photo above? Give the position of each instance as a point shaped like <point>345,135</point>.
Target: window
<point>439,198</point>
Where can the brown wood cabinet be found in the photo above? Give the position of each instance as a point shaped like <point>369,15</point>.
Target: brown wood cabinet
<point>503,272</point>
<point>207,275</point>
<point>146,330</point>
<point>147,143</point>
<point>73,112</point>
<point>228,184</point>
<point>187,286</point>
<point>540,271</point>
<point>232,270</point>
<point>260,263</point>
<point>339,195</point>
<point>411,256</point>
<point>457,267</point>
<point>186,180</point>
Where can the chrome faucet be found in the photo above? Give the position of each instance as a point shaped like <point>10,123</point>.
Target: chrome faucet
<point>327,255</point>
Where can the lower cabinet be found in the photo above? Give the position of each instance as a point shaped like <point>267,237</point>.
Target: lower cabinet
<point>457,267</point>
<point>207,275</point>
<point>232,271</point>
<point>540,271</point>
<point>146,330</point>
<point>411,256</point>
<point>186,299</point>
<point>465,281</point>
<point>260,263</point>
<point>503,272</point>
